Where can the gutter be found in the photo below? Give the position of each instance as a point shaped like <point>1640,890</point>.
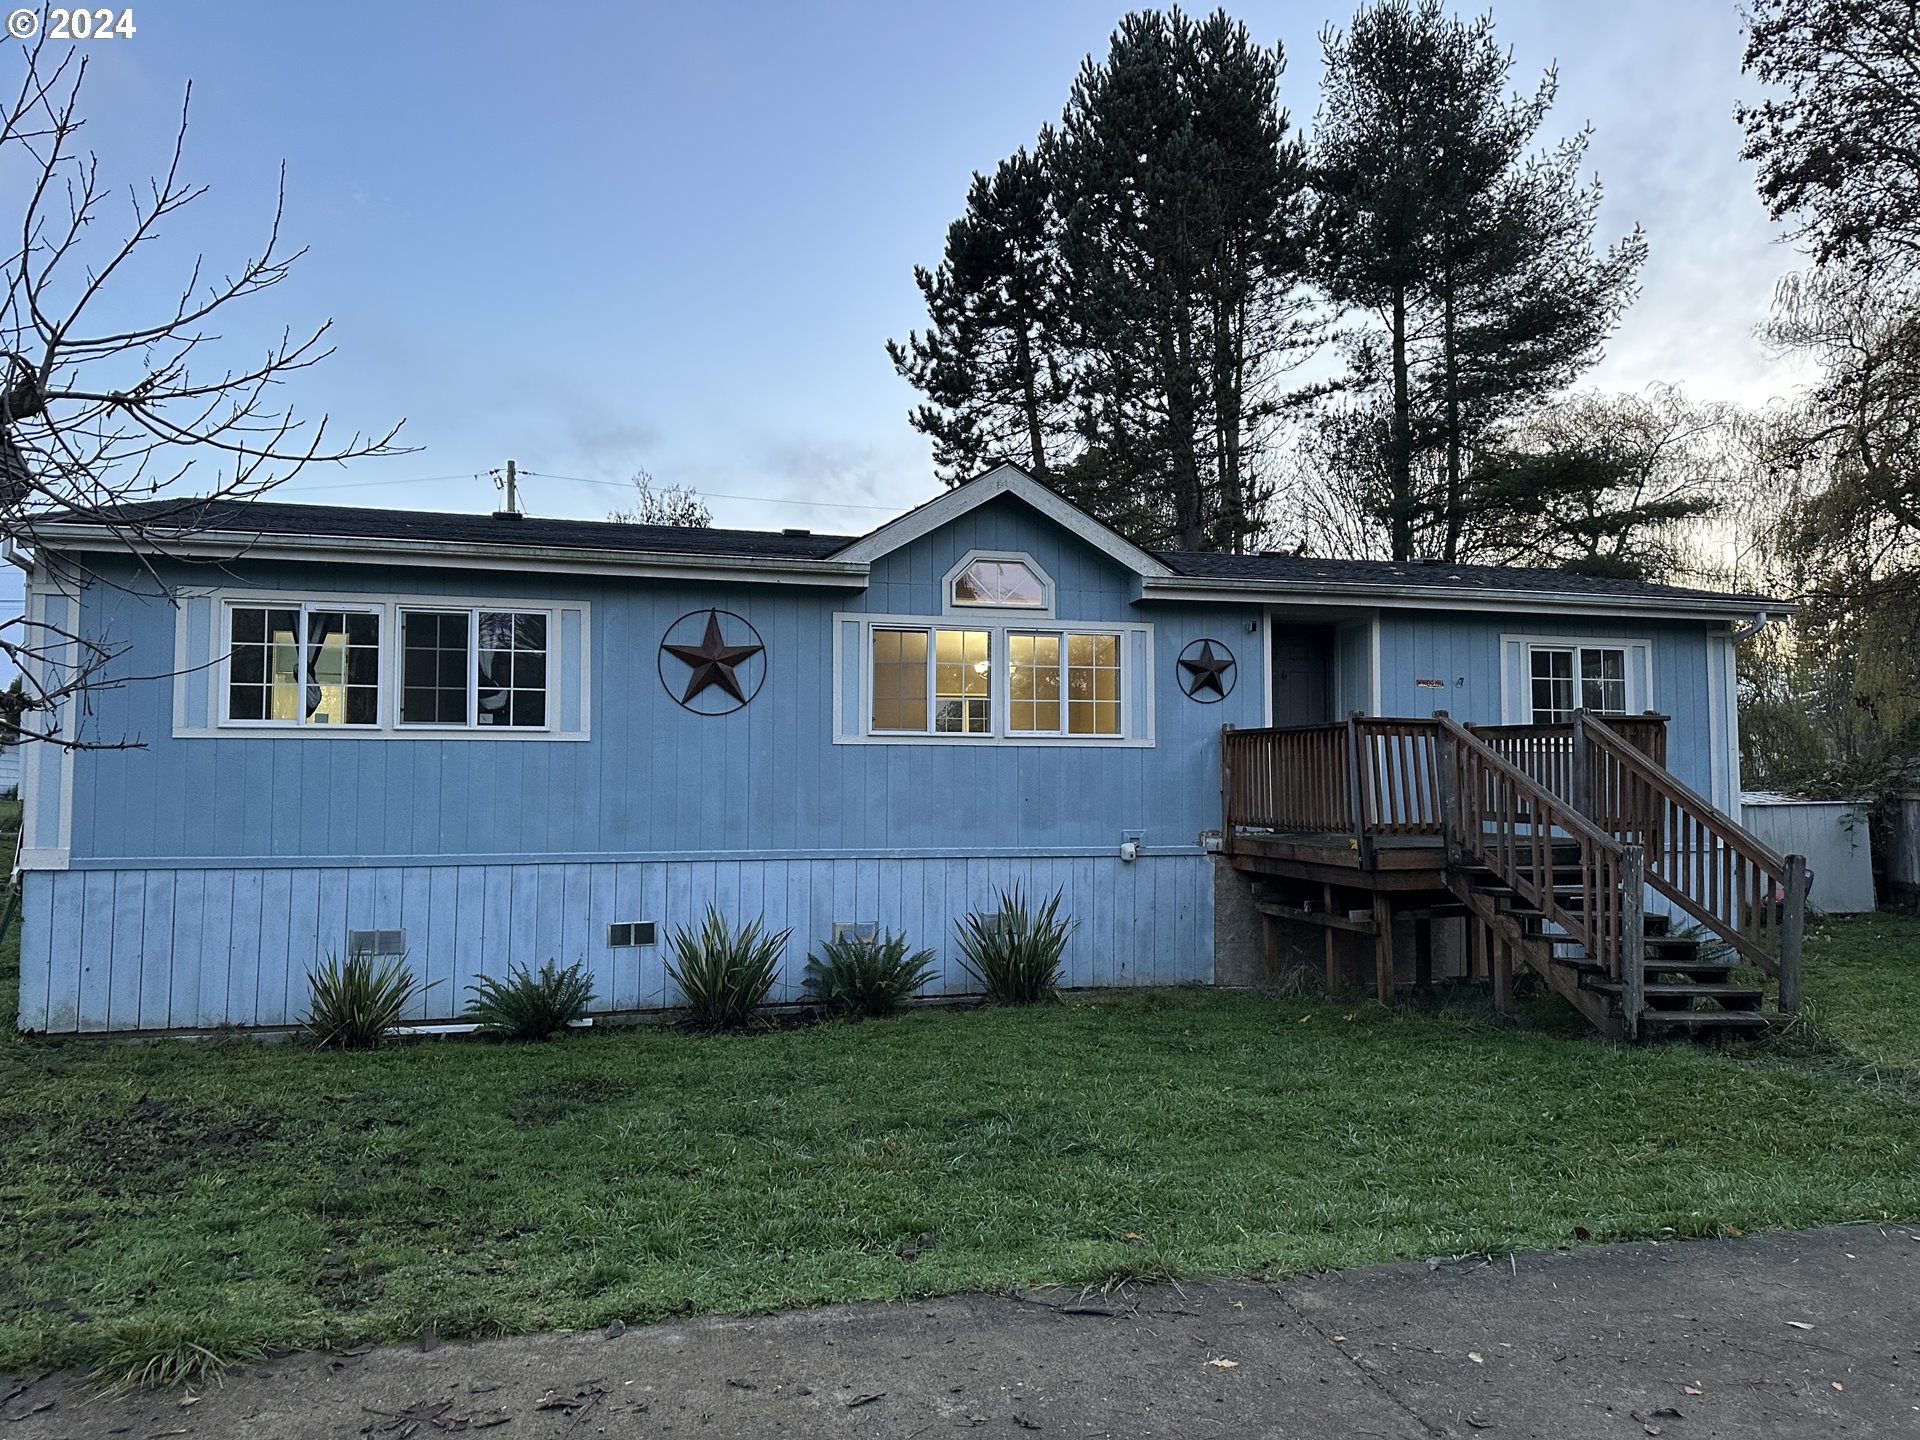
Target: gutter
<point>1752,628</point>
<point>1277,592</point>
<point>231,545</point>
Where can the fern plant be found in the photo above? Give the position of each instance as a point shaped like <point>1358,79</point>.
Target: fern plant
<point>528,1006</point>
<point>869,975</point>
<point>1015,954</point>
<point>724,974</point>
<point>356,1005</point>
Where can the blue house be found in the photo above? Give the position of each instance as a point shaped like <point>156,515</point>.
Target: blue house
<point>488,741</point>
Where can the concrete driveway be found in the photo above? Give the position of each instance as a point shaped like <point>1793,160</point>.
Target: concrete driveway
<point>1787,1335</point>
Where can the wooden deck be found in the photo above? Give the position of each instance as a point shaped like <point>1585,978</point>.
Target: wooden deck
<point>1539,844</point>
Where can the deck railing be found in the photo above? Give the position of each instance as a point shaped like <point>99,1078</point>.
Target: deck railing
<point>1513,798</point>
<point>1720,873</point>
<point>1584,883</point>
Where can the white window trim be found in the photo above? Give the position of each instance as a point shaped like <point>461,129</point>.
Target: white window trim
<point>1517,708</point>
<point>950,606</point>
<point>397,668</point>
<point>856,728</point>
<point>213,674</point>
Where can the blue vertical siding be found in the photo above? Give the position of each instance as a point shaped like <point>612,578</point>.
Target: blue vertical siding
<point>1463,650</point>
<point>193,949</point>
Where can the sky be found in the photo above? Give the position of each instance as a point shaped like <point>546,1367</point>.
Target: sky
<point>596,237</point>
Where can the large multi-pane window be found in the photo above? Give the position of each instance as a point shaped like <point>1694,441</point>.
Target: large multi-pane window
<point>932,680</point>
<point>303,665</point>
<point>1590,677</point>
<point>473,667</point>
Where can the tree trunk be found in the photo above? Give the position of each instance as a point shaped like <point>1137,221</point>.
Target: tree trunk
<point>1030,402</point>
<point>1400,478</point>
<point>1456,497</point>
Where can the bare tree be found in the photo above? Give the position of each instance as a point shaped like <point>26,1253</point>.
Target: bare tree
<point>113,392</point>
<point>676,505</point>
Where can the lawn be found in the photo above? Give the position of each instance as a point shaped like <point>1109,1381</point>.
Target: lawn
<point>239,1193</point>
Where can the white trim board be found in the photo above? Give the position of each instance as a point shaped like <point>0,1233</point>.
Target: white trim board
<point>1003,480</point>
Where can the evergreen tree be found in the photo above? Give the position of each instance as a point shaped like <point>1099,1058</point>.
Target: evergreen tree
<point>1181,195</point>
<point>1602,485</point>
<point>990,361</point>
<point>1476,258</point>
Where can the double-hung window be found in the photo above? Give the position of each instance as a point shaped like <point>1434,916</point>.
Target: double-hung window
<point>1588,677</point>
<point>474,667</point>
<point>300,664</point>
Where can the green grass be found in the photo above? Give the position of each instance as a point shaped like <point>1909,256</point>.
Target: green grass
<point>163,1203</point>
<point>1863,986</point>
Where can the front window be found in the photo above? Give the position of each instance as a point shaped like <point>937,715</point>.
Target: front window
<point>1592,676</point>
<point>1047,671</point>
<point>473,667</point>
<point>931,680</point>
<point>938,681</point>
<point>303,665</point>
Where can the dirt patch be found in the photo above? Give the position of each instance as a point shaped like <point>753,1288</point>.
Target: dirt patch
<point>157,1145</point>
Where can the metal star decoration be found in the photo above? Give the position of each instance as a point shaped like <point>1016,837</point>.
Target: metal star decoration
<point>1209,670</point>
<point>713,661</point>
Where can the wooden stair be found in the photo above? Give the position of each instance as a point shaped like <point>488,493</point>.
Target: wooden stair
<point>1684,989</point>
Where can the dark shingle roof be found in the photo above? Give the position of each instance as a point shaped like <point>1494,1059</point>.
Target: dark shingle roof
<point>348,522</point>
<point>1307,572</point>
<point>268,518</point>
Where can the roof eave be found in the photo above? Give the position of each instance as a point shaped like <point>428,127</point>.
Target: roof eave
<point>1196,588</point>
<point>391,550</point>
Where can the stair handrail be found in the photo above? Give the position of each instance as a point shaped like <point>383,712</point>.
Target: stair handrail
<point>1744,882</point>
<point>1607,922</point>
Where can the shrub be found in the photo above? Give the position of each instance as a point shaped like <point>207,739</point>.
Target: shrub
<point>866,974</point>
<point>1015,954</point>
<point>724,974</point>
<point>353,1006</point>
<point>526,1006</point>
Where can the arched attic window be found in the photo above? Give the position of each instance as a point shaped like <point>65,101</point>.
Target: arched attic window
<point>1003,584</point>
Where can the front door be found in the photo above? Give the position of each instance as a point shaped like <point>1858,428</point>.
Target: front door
<point>1302,674</point>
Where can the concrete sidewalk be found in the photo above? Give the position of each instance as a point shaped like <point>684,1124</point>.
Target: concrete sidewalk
<point>1789,1335</point>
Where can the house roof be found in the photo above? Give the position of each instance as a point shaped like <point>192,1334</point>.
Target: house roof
<point>350,522</point>
<point>437,537</point>
<point>1309,572</point>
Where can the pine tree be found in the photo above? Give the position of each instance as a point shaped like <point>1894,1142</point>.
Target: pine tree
<point>1476,258</point>
<point>990,361</point>
<point>1181,195</point>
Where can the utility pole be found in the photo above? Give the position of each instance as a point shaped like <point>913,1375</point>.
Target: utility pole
<point>509,484</point>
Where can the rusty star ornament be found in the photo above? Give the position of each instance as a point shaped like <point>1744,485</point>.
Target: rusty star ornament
<point>714,662</point>
<point>1207,669</point>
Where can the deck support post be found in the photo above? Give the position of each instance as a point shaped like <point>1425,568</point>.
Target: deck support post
<point>1633,937</point>
<point>1332,953</point>
<point>1423,952</point>
<point>1447,782</point>
<point>1383,947</point>
<point>1582,777</point>
<point>1502,970</point>
<point>1226,794</point>
<point>1362,841</point>
<point>1793,931</point>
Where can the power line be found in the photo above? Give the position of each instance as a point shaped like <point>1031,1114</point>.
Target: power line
<point>716,495</point>
<point>613,484</point>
